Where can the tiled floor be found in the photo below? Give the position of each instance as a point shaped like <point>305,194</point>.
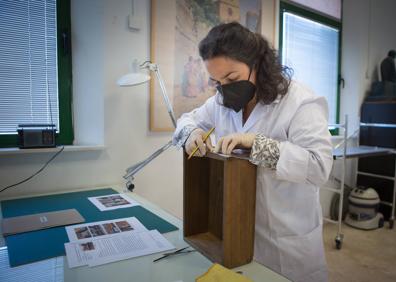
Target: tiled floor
<point>365,255</point>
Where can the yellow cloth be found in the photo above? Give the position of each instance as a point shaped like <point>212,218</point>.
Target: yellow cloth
<point>218,273</point>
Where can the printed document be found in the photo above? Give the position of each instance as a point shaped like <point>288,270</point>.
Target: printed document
<point>102,250</point>
<point>112,202</point>
<point>101,229</point>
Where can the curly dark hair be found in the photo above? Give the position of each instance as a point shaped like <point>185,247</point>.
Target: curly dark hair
<point>235,41</point>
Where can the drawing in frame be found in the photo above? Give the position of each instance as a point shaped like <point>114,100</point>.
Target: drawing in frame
<point>177,26</point>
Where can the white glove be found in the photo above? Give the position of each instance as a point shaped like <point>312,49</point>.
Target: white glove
<point>237,140</point>
<point>196,139</point>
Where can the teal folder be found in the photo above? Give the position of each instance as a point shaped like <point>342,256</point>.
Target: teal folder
<point>43,244</point>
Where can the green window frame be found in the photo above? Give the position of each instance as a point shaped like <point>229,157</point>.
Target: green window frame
<point>66,134</point>
<point>317,17</point>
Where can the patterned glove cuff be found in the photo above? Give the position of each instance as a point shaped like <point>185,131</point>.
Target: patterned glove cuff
<point>180,140</point>
<point>265,152</point>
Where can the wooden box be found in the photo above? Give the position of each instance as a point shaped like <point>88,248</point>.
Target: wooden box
<point>219,208</point>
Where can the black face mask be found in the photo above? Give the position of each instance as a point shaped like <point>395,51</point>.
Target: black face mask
<point>236,95</point>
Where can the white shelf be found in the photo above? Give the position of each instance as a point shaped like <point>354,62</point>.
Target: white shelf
<point>68,148</point>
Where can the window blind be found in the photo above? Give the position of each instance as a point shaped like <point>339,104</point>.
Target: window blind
<point>310,48</point>
<point>28,64</point>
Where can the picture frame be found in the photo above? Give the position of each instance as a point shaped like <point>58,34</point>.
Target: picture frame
<point>177,27</point>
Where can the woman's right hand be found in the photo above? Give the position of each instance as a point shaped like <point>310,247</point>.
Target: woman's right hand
<point>196,139</point>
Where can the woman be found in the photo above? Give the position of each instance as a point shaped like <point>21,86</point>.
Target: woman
<point>285,125</point>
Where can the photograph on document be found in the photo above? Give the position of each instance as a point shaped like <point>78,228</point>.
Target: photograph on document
<point>102,229</point>
<point>112,202</point>
<point>96,230</point>
<point>82,232</point>
<point>124,226</point>
<point>111,228</point>
<point>79,254</point>
<point>88,246</point>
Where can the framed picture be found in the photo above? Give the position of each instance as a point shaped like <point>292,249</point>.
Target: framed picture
<point>177,27</point>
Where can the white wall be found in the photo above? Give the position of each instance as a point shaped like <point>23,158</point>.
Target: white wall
<point>367,36</point>
<point>103,49</point>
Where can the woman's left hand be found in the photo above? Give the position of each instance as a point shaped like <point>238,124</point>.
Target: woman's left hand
<point>237,140</point>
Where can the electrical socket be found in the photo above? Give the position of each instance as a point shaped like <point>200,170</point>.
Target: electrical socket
<point>134,22</point>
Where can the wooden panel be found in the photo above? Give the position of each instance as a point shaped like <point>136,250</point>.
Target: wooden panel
<point>239,212</point>
<point>196,195</point>
<point>215,220</point>
<point>208,245</point>
<point>219,208</point>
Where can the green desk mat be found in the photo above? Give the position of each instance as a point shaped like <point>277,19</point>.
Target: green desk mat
<point>33,246</point>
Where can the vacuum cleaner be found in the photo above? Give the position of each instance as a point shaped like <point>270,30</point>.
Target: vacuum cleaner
<point>363,209</point>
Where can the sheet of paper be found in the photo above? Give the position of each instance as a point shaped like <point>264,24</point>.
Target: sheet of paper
<point>129,246</point>
<point>79,254</point>
<point>105,228</point>
<point>112,202</point>
<point>121,246</point>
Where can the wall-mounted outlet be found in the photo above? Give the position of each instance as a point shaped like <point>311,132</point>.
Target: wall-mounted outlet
<point>134,22</point>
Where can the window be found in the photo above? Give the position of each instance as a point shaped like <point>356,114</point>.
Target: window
<point>310,45</point>
<point>329,7</point>
<point>35,67</point>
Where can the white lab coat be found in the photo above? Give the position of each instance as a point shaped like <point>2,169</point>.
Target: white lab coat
<point>288,232</point>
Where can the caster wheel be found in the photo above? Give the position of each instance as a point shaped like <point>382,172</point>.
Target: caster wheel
<point>130,187</point>
<point>338,242</point>
<point>391,224</point>
<point>381,223</point>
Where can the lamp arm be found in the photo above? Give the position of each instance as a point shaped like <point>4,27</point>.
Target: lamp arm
<point>132,170</point>
<point>155,68</point>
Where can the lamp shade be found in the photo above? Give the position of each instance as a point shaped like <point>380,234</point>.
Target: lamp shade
<point>132,79</point>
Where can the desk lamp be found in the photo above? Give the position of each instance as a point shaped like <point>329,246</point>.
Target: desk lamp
<point>133,79</point>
